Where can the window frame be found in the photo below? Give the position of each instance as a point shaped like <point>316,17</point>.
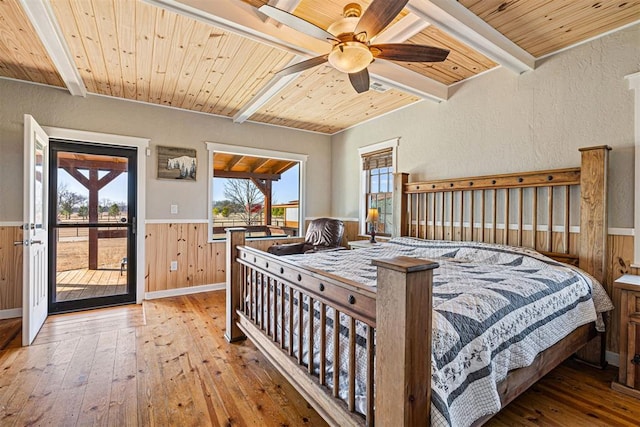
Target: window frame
<point>216,147</point>
<point>634,85</point>
<point>363,151</point>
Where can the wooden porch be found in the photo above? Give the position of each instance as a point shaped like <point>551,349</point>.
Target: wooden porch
<point>84,283</point>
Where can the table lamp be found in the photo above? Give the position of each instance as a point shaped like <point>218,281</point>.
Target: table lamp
<point>372,218</point>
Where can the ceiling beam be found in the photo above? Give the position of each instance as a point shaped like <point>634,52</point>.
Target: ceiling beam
<point>407,27</point>
<point>234,161</point>
<point>46,26</point>
<point>257,165</point>
<point>286,5</point>
<point>242,18</point>
<point>464,25</point>
<point>408,81</point>
<point>268,91</point>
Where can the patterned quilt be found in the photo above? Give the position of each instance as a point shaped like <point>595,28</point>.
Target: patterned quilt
<point>495,308</point>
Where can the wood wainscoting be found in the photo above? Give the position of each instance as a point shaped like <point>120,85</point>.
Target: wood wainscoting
<point>10,268</point>
<point>202,263</point>
<point>199,262</point>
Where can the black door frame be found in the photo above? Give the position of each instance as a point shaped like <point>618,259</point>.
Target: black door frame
<point>131,153</point>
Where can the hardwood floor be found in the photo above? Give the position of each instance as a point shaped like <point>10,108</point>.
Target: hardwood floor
<point>166,363</point>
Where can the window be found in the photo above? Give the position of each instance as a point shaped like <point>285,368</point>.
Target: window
<point>634,84</point>
<point>377,166</point>
<point>259,190</point>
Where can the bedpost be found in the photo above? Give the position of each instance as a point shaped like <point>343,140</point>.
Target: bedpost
<point>235,238</point>
<point>403,341</point>
<point>400,219</point>
<point>593,211</point>
<point>592,249</point>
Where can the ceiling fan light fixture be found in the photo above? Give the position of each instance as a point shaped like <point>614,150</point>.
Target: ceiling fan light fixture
<point>343,25</point>
<point>350,57</point>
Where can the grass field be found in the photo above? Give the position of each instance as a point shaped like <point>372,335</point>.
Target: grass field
<point>74,254</point>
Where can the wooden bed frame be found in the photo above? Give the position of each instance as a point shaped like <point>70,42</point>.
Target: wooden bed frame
<point>394,311</point>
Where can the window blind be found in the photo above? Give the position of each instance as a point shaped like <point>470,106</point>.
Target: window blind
<point>377,159</point>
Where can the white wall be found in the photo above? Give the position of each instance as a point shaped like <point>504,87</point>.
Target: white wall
<point>500,122</point>
<point>164,126</point>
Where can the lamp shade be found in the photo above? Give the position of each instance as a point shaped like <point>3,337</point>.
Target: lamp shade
<point>372,215</point>
<point>350,57</point>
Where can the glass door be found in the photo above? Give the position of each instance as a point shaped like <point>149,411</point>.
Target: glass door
<point>93,214</point>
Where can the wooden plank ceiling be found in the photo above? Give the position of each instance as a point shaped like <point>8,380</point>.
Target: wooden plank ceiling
<point>541,26</point>
<point>22,55</point>
<point>238,166</point>
<point>134,50</point>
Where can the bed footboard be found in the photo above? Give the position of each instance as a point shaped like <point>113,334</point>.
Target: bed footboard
<point>319,330</point>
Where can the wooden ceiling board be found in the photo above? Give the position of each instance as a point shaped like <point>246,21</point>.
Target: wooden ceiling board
<point>137,51</point>
<point>322,100</point>
<point>22,55</point>
<point>250,164</point>
<point>544,26</point>
<point>461,63</point>
<point>323,13</point>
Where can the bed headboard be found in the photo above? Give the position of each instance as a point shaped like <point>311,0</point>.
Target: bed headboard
<point>517,209</point>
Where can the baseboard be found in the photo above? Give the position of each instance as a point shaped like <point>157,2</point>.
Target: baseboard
<point>184,291</point>
<point>613,358</point>
<point>10,313</point>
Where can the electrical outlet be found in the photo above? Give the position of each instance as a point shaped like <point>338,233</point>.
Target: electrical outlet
<point>173,266</point>
<point>174,209</point>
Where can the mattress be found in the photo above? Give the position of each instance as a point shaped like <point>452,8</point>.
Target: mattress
<point>495,308</point>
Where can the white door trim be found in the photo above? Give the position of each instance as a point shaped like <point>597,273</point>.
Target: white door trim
<point>142,145</point>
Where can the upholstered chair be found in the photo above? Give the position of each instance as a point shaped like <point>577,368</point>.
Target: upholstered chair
<point>323,234</point>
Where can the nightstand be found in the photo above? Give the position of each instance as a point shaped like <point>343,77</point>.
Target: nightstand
<point>362,244</point>
<point>629,341</point>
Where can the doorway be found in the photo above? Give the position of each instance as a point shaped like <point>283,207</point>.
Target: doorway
<point>92,211</point>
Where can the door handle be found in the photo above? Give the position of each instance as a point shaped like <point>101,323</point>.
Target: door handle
<point>27,242</point>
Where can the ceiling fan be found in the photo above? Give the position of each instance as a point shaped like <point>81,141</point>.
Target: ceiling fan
<point>352,51</point>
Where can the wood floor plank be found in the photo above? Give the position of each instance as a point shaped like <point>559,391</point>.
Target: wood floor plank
<point>97,395</point>
<point>123,406</point>
<point>41,401</point>
<point>20,375</point>
<point>166,362</point>
<point>68,404</point>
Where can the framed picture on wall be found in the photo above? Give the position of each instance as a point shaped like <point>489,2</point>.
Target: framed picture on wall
<point>177,163</point>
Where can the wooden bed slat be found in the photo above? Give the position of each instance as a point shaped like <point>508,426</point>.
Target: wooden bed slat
<point>352,365</point>
<point>322,371</point>
<point>336,352</point>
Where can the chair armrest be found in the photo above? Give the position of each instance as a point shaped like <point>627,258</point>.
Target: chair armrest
<point>286,249</point>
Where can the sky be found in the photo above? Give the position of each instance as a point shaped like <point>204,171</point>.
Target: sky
<point>115,191</point>
<point>284,190</point>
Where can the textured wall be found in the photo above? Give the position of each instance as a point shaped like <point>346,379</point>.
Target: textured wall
<point>164,126</point>
<point>500,122</point>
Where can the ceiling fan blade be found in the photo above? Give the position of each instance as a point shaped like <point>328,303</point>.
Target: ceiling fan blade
<point>378,15</point>
<point>409,52</point>
<point>360,80</point>
<point>294,22</point>
<point>304,65</point>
